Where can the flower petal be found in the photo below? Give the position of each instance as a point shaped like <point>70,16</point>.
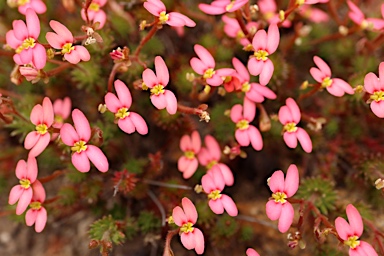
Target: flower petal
<point>216,206</point>
<point>40,145</point>
<point>15,194</point>
<point>324,68</point>
<point>199,241</point>
<point>291,181</point>
<point>286,217</point>
<point>24,201</point>
<point>112,102</point>
<point>139,123</point>
<point>41,220</point>
<point>290,138</point>
<point>295,110</point>
<point>97,157</point>
<point>189,210</point>
<point>378,108</point>
<point>276,182</point>
<point>259,41</point>
<point>33,23</point>
<point>179,216</point>
<point>273,38</point>
<point>68,135</point>
<point>236,113</point>
<point>81,162</point>
<point>62,31</point>
<point>273,210</point>
<point>171,102</point>
<point>255,66</point>
<point>343,229</point>
<point>205,56</point>
<point>82,126</point>
<point>229,205</point>
<point>304,139</point>
<point>188,240</point>
<point>20,30</point>
<point>355,220</point>
<point>255,138</point>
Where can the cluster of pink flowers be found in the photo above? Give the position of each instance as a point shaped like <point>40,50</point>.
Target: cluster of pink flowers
<point>95,13</point>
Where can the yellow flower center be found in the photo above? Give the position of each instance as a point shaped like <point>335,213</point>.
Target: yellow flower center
<point>377,96</point>
<point>35,205</point>
<point>261,55</point>
<point>187,227</point>
<point>209,73</point>
<point>214,195</point>
<point>157,89</point>
<point>245,87</point>
<point>189,154</point>
<point>240,34</point>
<point>42,129</point>
<point>25,183</point>
<point>211,164</point>
<point>164,17</point>
<point>279,197</point>
<point>122,113</point>
<point>94,7</point>
<point>59,119</point>
<point>230,6</point>
<point>28,43</point>
<point>290,127</point>
<point>352,242</point>
<point>79,146</point>
<point>300,2</point>
<point>144,87</point>
<point>326,82</point>
<point>242,124</point>
<point>67,48</point>
<point>22,2</point>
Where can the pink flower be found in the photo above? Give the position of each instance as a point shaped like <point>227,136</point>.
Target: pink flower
<point>290,116</point>
<point>313,14</point>
<point>322,75</point>
<point>37,214</point>
<point>185,218</point>
<point>188,163</point>
<point>23,38</point>
<point>213,183</point>
<point>26,172</point>
<point>301,2</point>
<point>253,91</point>
<point>128,121</point>
<point>77,137</point>
<point>375,86</point>
<point>245,133</point>
<point>174,19</point>
<point>269,10</point>
<point>351,232</point>
<point>63,40</point>
<point>233,30</point>
<point>278,207</point>
<point>37,5</point>
<point>160,97</point>
<point>205,66</point>
<point>210,157</point>
<point>95,14</point>
<point>357,16</point>
<point>62,110</point>
<point>42,118</point>
<point>30,73</point>
<point>251,252</point>
<point>264,45</point>
<point>222,6</point>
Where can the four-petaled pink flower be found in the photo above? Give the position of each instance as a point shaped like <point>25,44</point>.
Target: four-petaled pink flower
<point>128,121</point>
<point>210,157</point>
<point>61,110</point>
<point>37,5</point>
<point>251,252</point>
<point>26,172</point>
<point>289,116</point>
<point>322,75</point>
<point>95,13</point>
<point>191,146</point>
<point>37,214</point>
<point>222,6</point>
<point>278,207</point>
<point>185,218</point>
<point>246,133</point>
<point>213,183</point>
<point>233,30</point>
<point>63,40</point>
<point>313,14</point>
<point>253,91</point>
<point>351,232</point>
<point>77,137</point>
<point>375,86</point>
<point>205,66</point>
<point>42,117</point>
<point>23,38</point>
<point>269,10</point>
<point>174,19</point>
<point>357,16</point>
<point>264,45</point>
<point>160,97</point>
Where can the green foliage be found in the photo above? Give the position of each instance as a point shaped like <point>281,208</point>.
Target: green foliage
<point>148,222</point>
<point>131,228</point>
<point>246,233</point>
<point>226,226</point>
<point>105,229</point>
<point>87,75</point>
<point>74,175</point>
<point>318,191</point>
<point>135,165</point>
<point>206,216</point>
<point>224,127</point>
<point>68,196</point>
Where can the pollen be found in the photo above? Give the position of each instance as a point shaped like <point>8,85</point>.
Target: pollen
<point>122,113</point>
<point>211,164</point>
<point>35,206</point>
<point>189,154</point>
<point>79,146</point>
<point>94,7</point>
<point>242,124</point>
<point>245,87</point>
<point>42,129</point>
<point>261,55</point>
<point>377,96</point>
<point>240,35</point>
<point>22,2</point>
<point>67,48</point>
<point>25,183</point>
<point>187,227</point>
<point>279,197</point>
<point>326,82</point>
<point>230,6</point>
<point>164,17</point>
<point>300,2</point>
<point>208,73</point>
<point>290,127</point>
<point>352,242</point>
<point>157,89</point>
<point>214,195</point>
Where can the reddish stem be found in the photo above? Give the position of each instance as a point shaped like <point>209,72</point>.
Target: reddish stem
<point>168,239</point>
<point>150,34</point>
<point>52,176</point>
